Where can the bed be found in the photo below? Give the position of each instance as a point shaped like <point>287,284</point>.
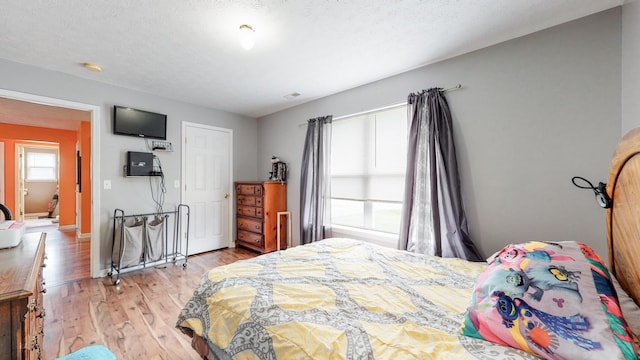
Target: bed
<point>346,299</point>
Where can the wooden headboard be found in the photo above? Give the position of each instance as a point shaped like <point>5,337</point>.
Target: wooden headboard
<point>623,218</point>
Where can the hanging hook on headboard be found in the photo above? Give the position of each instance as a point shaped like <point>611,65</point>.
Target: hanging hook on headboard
<point>600,191</point>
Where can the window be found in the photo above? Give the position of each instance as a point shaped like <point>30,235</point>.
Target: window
<point>368,161</point>
<point>41,166</point>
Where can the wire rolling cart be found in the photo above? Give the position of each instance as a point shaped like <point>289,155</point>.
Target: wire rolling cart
<point>146,243</point>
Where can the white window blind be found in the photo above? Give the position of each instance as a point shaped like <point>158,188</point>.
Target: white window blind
<point>368,161</point>
<point>41,166</point>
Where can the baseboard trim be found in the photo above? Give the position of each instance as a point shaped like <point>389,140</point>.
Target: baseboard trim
<point>35,215</point>
<point>102,273</point>
<point>83,236</point>
<point>66,227</point>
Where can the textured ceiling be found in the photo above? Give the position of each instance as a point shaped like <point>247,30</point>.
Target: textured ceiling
<point>31,114</point>
<point>189,49</point>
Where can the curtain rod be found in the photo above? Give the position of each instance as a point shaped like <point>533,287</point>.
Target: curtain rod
<point>459,86</point>
<point>338,118</point>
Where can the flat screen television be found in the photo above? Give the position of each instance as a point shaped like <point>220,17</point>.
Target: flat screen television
<point>139,123</point>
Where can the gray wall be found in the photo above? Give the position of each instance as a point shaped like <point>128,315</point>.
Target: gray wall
<point>133,194</point>
<point>533,113</point>
<point>630,65</point>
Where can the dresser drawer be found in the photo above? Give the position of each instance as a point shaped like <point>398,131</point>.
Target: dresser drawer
<point>245,189</point>
<point>250,211</point>
<point>249,237</point>
<point>249,200</point>
<point>247,210</point>
<point>249,225</point>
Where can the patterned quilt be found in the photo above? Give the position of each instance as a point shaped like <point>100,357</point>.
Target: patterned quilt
<point>338,299</point>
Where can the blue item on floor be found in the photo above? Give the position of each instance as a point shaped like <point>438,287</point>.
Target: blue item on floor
<point>93,352</point>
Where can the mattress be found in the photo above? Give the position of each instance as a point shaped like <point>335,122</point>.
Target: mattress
<point>338,299</point>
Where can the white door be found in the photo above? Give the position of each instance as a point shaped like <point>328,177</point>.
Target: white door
<point>206,167</point>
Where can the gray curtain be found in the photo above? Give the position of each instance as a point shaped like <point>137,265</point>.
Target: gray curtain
<point>315,184</point>
<point>433,218</point>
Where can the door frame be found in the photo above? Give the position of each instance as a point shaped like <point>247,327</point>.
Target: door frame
<point>21,149</point>
<point>94,169</point>
<point>230,204</point>
<point>2,191</point>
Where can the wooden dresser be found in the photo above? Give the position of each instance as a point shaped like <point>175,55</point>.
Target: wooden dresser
<point>257,205</point>
<point>21,302</point>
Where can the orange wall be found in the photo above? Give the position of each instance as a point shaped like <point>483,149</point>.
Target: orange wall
<point>12,134</point>
<point>9,174</point>
<point>85,196</point>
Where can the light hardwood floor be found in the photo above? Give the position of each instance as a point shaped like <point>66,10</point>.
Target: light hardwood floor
<point>136,319</point>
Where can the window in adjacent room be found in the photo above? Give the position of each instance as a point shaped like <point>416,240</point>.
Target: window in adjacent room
<point>368,161</point>
<point>41,166</point>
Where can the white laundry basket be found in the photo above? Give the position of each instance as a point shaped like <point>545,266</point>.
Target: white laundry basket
<point>141,240</point>
<point>155,239</point>
<point>129,235</point>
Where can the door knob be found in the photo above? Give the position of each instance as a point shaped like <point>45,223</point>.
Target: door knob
<point>226,195</point>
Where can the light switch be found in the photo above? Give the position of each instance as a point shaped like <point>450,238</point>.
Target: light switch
<point>176,184</point>
<point>107,184</point>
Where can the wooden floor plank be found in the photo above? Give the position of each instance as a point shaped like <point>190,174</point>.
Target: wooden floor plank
<point>136,319</point>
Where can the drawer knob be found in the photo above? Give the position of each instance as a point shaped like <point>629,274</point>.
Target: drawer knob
<point>33,305</point>
<point>34,343</point>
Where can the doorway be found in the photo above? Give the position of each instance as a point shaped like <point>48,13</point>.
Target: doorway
<point>38,183</point>
<point>207,173</point>
<point>94,172</point>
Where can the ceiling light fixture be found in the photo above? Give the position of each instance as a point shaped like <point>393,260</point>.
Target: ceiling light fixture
<point>247,37</point>
<point>292,96</point>
<point>92,67</point>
